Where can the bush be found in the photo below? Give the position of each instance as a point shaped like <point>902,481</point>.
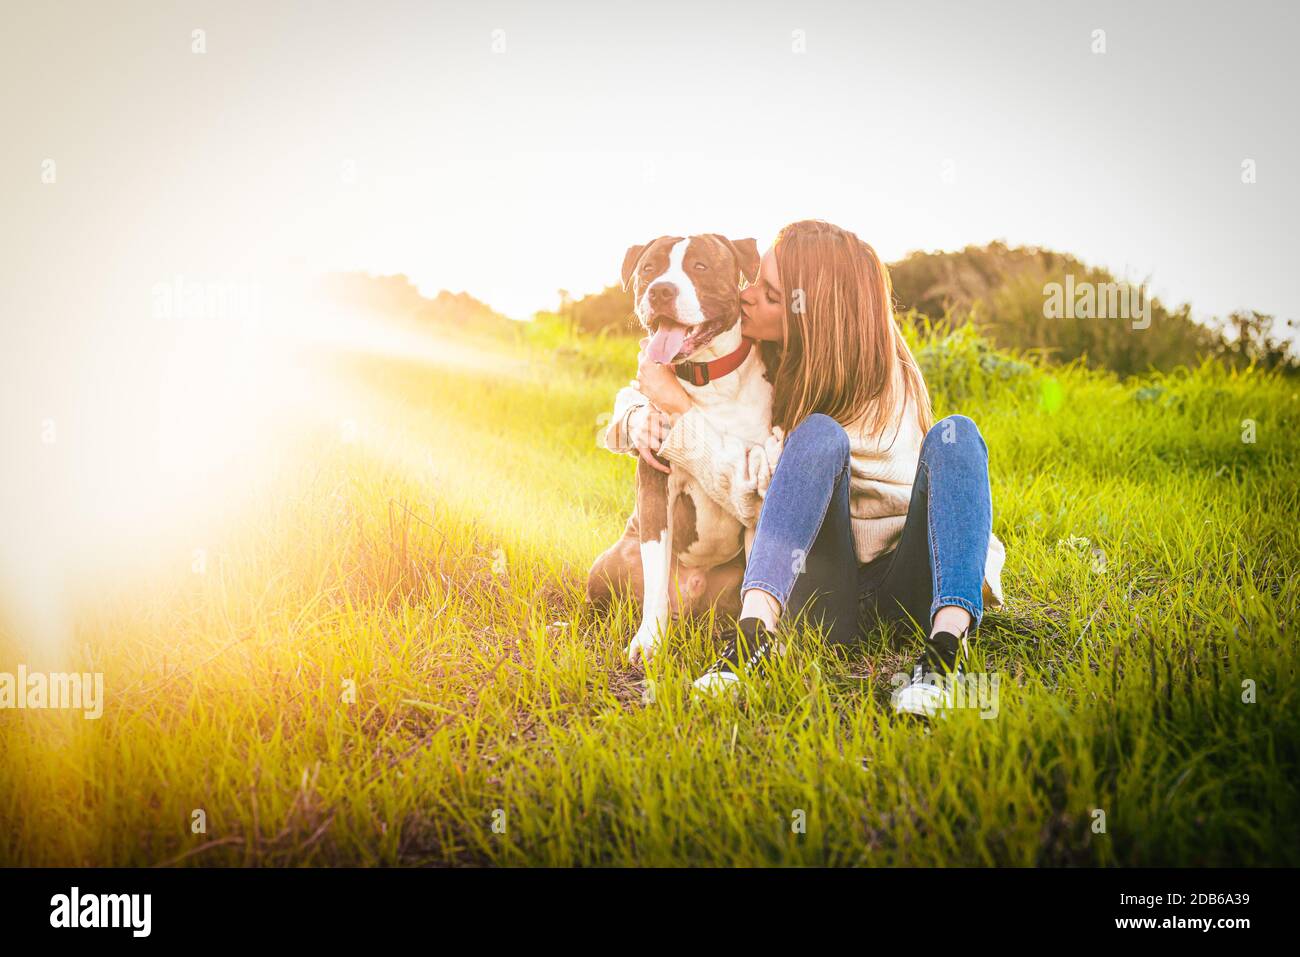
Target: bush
<point>958,364</point>
<point>1001,290</point>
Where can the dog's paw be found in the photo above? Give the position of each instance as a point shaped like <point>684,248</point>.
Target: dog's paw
<point>644,644</point>
<point>774,445</point>
<point>762,460</point>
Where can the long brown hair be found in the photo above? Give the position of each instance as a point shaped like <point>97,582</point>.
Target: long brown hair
<point>843,354</point>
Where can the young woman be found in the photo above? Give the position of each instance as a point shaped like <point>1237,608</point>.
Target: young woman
<point>870,510</point>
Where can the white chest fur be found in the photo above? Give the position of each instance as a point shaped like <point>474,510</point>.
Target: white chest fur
<point>739,403</point>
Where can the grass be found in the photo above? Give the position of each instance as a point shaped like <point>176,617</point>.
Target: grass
<point>387,659</point>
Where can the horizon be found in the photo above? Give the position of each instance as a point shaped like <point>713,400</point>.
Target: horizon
<point>575,296</point>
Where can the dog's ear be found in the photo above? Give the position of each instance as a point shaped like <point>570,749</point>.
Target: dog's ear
<point>746,253</point>
<point>630,259</point>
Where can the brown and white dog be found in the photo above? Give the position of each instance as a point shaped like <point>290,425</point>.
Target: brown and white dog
<point>682,551</point>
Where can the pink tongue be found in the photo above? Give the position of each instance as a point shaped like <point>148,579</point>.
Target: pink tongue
<point>667,342</point>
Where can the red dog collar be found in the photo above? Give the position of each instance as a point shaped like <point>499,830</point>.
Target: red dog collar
<point>702,373</point>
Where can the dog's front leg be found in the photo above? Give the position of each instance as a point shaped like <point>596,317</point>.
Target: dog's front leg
<point>656,557</point>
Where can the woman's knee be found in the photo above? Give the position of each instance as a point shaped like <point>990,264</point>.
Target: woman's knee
<point>955,435</point>
<point>819,434</point>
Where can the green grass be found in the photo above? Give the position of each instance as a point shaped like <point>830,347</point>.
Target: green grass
<point>438,567</point>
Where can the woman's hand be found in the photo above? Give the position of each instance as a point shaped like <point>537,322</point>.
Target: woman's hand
<point>646,428</point>
<point>659,384</point>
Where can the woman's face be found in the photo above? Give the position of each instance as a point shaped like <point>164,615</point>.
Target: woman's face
<point>762,304</point>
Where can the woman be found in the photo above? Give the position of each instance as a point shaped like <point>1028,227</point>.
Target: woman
<point>870,511</point>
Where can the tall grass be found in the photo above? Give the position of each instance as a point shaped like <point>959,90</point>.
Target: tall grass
<point>387,659</point>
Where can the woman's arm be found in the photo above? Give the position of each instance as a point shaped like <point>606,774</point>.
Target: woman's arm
<point>618,434</point>
<point>733,471</point>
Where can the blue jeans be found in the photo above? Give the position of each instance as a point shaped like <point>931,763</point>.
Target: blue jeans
<point>803,553</point>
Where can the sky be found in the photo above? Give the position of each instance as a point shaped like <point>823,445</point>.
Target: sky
<point>514,149</point>
<point>511,150</point>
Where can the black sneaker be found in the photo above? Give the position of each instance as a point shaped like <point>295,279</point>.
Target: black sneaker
<point>930,690</point>
<point>752,647</point>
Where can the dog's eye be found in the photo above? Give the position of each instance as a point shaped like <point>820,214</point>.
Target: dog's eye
<point>646,268</point>
<point>702,266</point>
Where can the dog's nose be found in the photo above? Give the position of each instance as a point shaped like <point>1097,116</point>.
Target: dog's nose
<point>662,294</point>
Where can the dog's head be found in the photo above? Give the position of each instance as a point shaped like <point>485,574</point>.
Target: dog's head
<point>687,289</point>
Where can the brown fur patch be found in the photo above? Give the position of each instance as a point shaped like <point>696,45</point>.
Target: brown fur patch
<point>644,264</point>
<point>651,501</point>
<point>685,533</point>
<point>721,589</point>
<point>617,570</point>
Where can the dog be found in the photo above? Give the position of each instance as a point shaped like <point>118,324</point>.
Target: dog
<point>682,551</point>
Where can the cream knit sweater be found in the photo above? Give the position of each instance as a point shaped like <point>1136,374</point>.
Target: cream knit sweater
<point>737,474</point>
